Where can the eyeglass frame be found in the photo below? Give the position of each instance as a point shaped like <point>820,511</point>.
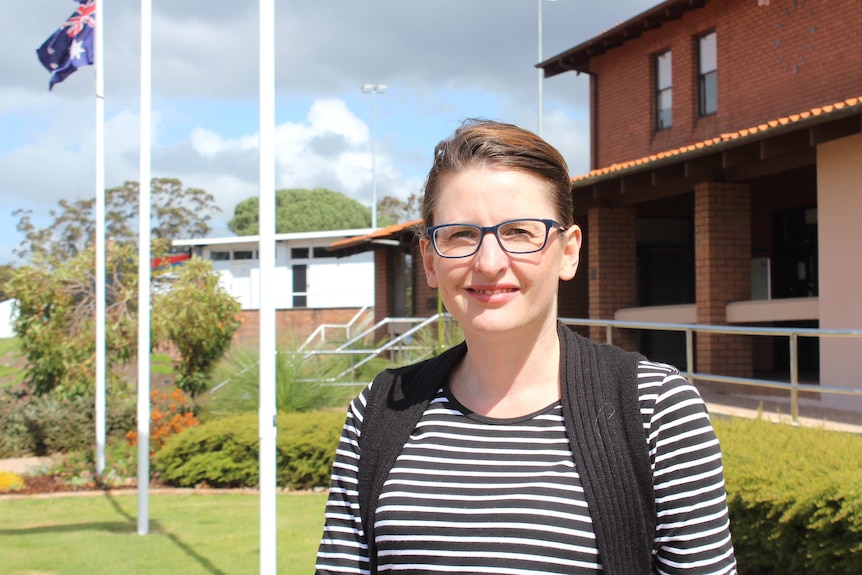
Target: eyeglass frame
<point>485,230</point>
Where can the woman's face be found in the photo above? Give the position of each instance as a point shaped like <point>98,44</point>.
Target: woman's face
<point>494,292</point>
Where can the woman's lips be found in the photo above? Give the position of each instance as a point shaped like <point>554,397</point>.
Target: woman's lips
<point>492,295</point>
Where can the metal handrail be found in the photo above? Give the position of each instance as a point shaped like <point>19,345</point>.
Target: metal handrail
<point>320,331</point>
<point>794,386</point>
<point>394,343</point>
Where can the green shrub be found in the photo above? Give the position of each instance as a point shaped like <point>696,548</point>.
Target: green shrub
<point>795,497</point>
<point>45,425</point>
<point>224,452</point>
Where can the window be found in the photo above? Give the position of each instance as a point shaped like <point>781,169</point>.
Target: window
<point>299,253</point>
<point>219,256</point>
<point>323,253</point>
<point>707,83</point>
<point>663,91</point>
<point>243,254</point>
<point>300,286</point>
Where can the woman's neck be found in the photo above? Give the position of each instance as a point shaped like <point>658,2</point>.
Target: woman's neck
<point>509,377</point>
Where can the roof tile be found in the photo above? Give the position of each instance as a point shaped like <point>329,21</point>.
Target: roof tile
<point>726,136</point>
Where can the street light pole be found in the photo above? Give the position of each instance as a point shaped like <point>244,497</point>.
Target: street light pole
<point>540,71</point>
<point>373,89</point>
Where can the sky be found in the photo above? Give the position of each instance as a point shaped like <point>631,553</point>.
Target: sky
<point>443,61</point>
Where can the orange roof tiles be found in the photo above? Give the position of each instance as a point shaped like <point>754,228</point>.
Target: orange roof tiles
<point>379,233</point>
<point>783,121</point>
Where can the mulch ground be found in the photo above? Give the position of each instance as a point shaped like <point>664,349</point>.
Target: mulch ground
<point>39,484</point>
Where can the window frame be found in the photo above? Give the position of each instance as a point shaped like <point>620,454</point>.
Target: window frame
<point>707,79</point>
<point>663,121</point>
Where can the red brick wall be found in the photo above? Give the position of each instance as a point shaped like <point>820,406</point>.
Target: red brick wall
<point>291,325</point>
<point>612,268</point>
<point>382,284</point>
<point>772,61</point>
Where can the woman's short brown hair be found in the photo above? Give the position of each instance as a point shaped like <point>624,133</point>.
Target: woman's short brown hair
<point>497,145</point>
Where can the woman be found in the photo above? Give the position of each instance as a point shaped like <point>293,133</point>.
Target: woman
<point>525,449</point>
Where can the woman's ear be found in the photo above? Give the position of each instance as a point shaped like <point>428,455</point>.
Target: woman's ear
<point>571,253</point>
<point>427,251</point>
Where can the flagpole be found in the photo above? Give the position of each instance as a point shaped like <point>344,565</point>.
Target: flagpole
<point>144,272</point>
<point>100,242</point>
<point>267,410</point>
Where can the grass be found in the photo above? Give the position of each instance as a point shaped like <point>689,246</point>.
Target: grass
<point>208,534</point>
<point>11,362</point>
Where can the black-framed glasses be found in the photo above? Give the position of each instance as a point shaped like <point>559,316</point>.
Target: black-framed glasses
<point>524,236</point>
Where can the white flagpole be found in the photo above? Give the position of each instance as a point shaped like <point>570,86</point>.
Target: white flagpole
<point>267,405</point>
<point>144,272</point>
<point>100,240</point>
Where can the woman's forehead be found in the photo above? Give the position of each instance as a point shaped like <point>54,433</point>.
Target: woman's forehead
<point>499,188</point>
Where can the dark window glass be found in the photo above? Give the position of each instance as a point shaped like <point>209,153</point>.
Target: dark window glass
<point>219,256</point>
<point>323,253</point>
<point>299,253</point>
<point>707,86</point>
<point>663,91</point>
<point>300,285</point>
<point>242,254</point>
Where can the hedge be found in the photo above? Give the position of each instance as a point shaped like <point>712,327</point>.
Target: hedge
<point>224,452</point>
<point>795,497</point>
<point>46,425</point>
<point>794,493</point>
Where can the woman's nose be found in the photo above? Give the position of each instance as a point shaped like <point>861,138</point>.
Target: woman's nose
<point>490,259</point>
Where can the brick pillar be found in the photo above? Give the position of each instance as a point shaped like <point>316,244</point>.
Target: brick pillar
<point>612,260</point>
<point>722,229</point>
<point>382,288</point>
<point>424,297</point>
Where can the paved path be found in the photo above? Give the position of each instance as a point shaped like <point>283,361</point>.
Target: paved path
<point>24,465</point>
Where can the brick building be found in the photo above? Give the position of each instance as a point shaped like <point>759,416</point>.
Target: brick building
<point>313,286</point>
<point>725,183</point>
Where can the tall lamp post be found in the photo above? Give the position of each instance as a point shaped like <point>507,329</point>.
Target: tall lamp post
<point>541,73</point>
<point>373,89</point>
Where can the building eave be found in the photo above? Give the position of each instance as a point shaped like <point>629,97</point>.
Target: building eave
<point>577,59</point>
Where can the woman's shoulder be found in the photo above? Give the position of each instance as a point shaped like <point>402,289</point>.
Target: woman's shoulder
<point>664,393</point>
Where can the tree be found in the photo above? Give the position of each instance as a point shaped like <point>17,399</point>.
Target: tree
<point>5,274</point>
<point>56,325</point>
<point>199,319</point>
<point>391,210</point>
<point>301,210</point>
<point>55,322</point>
<point>176,212</point>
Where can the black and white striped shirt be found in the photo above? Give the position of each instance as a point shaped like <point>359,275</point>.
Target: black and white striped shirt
<point>473,494</point>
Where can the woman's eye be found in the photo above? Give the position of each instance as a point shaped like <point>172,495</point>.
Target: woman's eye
<point>464,234</point>
<point>516,232</point>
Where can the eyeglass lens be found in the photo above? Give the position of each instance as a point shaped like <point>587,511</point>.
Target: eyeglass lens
<point>517,237</point>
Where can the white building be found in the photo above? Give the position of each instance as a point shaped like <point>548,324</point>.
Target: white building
<point>307,276</point>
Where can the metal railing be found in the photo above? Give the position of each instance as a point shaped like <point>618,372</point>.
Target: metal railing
<point>405,329</point>
<point>319,333</point>
<point>401,342</point>
<point>794,386</point>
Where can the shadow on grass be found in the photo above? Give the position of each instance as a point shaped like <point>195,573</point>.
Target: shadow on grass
<point>130,525</point>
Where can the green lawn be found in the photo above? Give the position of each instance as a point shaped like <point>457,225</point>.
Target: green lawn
<point>210,534</point>
<point>10,362</point>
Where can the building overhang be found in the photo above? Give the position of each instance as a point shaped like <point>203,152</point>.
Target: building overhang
<point>775,146</point>
<point>400,236</point>
<point>577,59</point>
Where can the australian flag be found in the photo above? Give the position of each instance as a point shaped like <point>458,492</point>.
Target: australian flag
<point>71,46</point>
